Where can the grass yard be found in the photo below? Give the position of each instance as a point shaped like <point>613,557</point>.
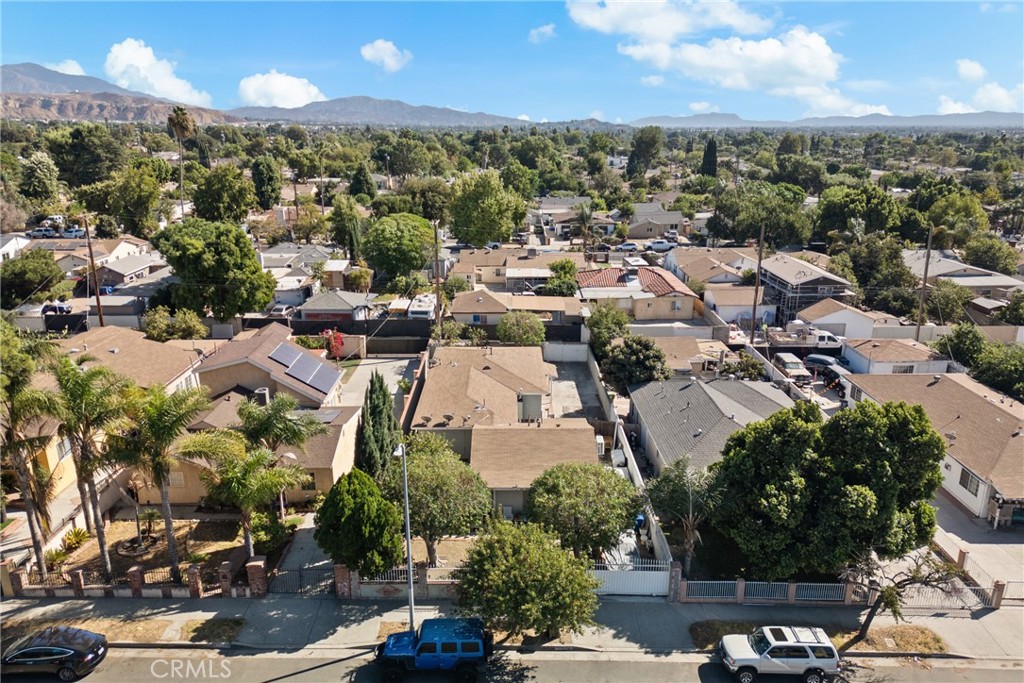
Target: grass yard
<point>135,631</point>
<point>212,630</point>
<point>906,637</point>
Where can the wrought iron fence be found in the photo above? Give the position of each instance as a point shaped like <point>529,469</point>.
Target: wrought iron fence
<point>396,575</point>
<point>53,579</point>
<point>820,592</point>
<point>1014,590</point>
<point>766,590</point>
<point>711,589</point>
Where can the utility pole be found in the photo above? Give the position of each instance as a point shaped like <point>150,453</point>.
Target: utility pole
<point>92,268</point>
<point>757,285</point>
<point>924,285</point>
<point>437,276</point>
<point>320,150</point>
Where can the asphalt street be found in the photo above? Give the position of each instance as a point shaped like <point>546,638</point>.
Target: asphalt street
<point>200,666</point>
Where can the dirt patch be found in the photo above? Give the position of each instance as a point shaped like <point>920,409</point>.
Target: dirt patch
<point>135,631</point>
<point>386,628</point>
<point>212,630</point>
<point>451,552</point>
<point>904,637</point>
<point>530,638</point>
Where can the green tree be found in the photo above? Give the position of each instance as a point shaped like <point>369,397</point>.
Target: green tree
<point>606,322</point>
<point>520,179</point>
<point>347,224</point>
<point>266,180</point>
<point>226,195</point>
<point>32,275</point>
<point>183,127</point>
<point>635,361</point>
<point>1001,367</point>
<point>561,286</point>
<point>947,301</point>
<point>446,496</point>
<point>987,251</point>
<point>399,244</point>
<point>790,143</point>
<point>250,482</point>
<point>647,144</point>
<point>709,163</point>
<point>39,177</point>
<point>156,439</point>
<point>746,367</point>
<point>800,171</point>
<point>311,223</point>
<point>520,328</point>
<point>1013,314</point>
<point>216,267</point>
<point>132,197</point>
<point>963,344</point>
<point>565,268</point>
<point>689,496</point>
<point>482,210</point>
<point>517,578</point>
<point>85,154</point>
<point>454,285</point>
<point>362,183</point>
<point>378,432</point>
<point>387,204</point>
<point>587,505</point>
<point>878,264</point>
<point>188,325</point>
<point>358,280</point>
<point>358,527</point>
<point>159,326</point>
<point>962,213</point>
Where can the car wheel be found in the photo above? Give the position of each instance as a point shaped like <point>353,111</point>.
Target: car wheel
<point>814,676</point>
<point>66,674</point>
<point>466,674</point>
<point>747,675</point>
<point>393,675</point>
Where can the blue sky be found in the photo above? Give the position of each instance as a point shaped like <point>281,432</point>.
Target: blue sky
<point>617,61</point>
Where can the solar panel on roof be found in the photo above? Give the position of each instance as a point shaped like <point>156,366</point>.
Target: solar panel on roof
<point>285,354</point>
<point>324,379</point>
<point>303,369</point>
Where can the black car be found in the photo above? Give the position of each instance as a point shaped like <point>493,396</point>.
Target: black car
<point>68,652</point>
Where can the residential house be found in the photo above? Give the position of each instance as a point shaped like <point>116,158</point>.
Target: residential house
<point>337,305</point>
<point>469,386</point>
<point>487,308</point>
<point>335,271</point>
<point>793,284</point>
<point>292,255</point>
<point>946,265</point>
<point>147,287</point>
<point>266,359</point>
<point>117,272</point>
<point>983,431</point>
<point>654,224</point>
<point>648,293</point>
<point>11,245</point>
<point>844,320</point>
<point>295,285</point>
<point>710,271</point>
<point>514,270</point>
<point>689,418</point>
<point>738,258</point>
<point>734,304</point>
<point>383,182</point>
<point>894,356</point>
<point>686,356</point>
<point>510,457</point>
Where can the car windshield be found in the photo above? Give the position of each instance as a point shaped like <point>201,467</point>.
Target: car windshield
<point>758,643</point>
<point>17,645</point>
<point>794,366</point>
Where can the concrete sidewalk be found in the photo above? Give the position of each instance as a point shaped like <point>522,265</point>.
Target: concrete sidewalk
<point>626,627</point>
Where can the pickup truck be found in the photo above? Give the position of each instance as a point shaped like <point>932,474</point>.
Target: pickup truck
<point>461,646</point>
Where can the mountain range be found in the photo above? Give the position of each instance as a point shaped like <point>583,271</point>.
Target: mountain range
<point>33,92</point>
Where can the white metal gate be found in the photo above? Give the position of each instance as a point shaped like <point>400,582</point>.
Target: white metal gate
<point>647,577</point>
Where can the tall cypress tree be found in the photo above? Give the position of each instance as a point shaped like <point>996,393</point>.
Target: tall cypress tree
<point>709,165</point>
<point>378,431</point>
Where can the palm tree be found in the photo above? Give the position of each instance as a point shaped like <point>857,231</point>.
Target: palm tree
<point>157,438</point>
<point>277,424</point>
<point>21,410</point>
<point>689,495</point>
<point>251,482</point>
<point>183,126</point>
<point>90,402</point>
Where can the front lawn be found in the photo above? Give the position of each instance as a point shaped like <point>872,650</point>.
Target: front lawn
<point>904,637</point>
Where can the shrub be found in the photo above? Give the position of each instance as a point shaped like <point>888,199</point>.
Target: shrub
<point>75,538</point>
<point>55,558</point>
<point>268,533</point>
<point>197,558</point>
<point>309,342</point>
<point>405,385</point>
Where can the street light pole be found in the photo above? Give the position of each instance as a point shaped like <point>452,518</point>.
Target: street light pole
<point>399,452</point>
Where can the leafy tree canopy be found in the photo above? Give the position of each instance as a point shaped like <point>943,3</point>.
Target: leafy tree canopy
<point>607,322</point>
<point>963,344</point>
<point>399,244</point>
<point>637,360</point>
<point>482,210</point>
<point>987,251</point>
<point>33,275</point>
<point>225,195</point>
<point>521,328</point>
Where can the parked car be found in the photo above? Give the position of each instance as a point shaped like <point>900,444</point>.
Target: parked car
<point>41,232</point>
<point>792,368</point>
<point>603,246</point>
<point>671,235</point>
<point>521,238</point>
<point>659,246</point>
<point>816,361</point>
<point>57,307</point>
<point>628,247</point>
<point>458,645</point>
<point>68,652</point>
<point>281,311</point>
<point>54,221</point>
<point>74,232</point>
<point>792,650</point>
<point>492,245</point>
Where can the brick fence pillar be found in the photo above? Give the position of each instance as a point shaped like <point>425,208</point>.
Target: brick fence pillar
<point>18,581</point>
<point>682,590</point>
<point>961,558</point>
<point>848,589</point>
<point>998,588</point>
<point>224,574</point>
<point>6,567</point>
<point>791,593</point>
<point>78,583</point>
<point>741,590</point>
<point>675,574</point>
<point>256,568</point>
<point>342,581</point>
<point>195,581</point>
<point>136,580</point>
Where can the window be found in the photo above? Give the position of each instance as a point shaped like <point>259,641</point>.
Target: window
<point>677,305</point>
<point>176,479</point>
<point>796,652</point>
<point>449,648</point>
<point>903,369</point>
<point>311,484</point>
<point>821,652</point>
<point>471,646</point>
<point>969,481</point>
<point>428,649</point>
<point>63,448</point>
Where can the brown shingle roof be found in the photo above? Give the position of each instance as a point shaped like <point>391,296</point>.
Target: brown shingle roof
<point>822,308</point>
<point>705,268</point>
<point>319,452</point>
<point>482,301</point>
<point>147,362</point>
<point>734,295</point>
<point>657,281</point>
<point>893,350</point>
<point>481,384</point>
<point>512,456</point>
<point>981,427</point>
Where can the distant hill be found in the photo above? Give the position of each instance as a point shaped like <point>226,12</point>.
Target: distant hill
<point>374,112</point>
<point>38,80</point>
<point>985,119</point>
<point>99,107</point>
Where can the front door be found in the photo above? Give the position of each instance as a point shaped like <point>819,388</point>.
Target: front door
<point>427,656</point>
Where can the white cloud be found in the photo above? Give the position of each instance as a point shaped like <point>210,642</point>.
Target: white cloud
<point>664,20</point>
<point>543,120</point>
<point>276,89</point>
<point>970,70</point>
<point>385,54</point>
<point>68,66</point>
<point>985,6</point>
<point>652,81</point>
<point>703,107</point>
<point>994,97</point>
<point>523,117</point>
<point>868,85</point>
<point>541,33</point>
<point>597,114</point>
<point>132,64</point>
<point>947,105</point>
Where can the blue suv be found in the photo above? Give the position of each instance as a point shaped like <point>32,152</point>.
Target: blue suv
<point>458,645</point>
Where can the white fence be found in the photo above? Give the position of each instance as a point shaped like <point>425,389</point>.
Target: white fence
<point>766,590</point>
<point>647,577</point>
<point>565,352</point>
<point>396,575</point>
<point>820,592</point>
<point>711,590</point>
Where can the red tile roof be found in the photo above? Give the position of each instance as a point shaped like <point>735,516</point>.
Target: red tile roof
<point>657,281</point>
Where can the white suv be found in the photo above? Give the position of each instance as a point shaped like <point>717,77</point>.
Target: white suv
<point>792,650</point>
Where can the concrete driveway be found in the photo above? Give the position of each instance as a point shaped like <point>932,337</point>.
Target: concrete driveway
<point>304,553</point>
<point>392,368</point>
<point>998,552</point>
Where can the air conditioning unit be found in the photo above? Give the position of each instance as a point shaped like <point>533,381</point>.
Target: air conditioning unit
<point>262,396</point>
<point>600,445</point>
